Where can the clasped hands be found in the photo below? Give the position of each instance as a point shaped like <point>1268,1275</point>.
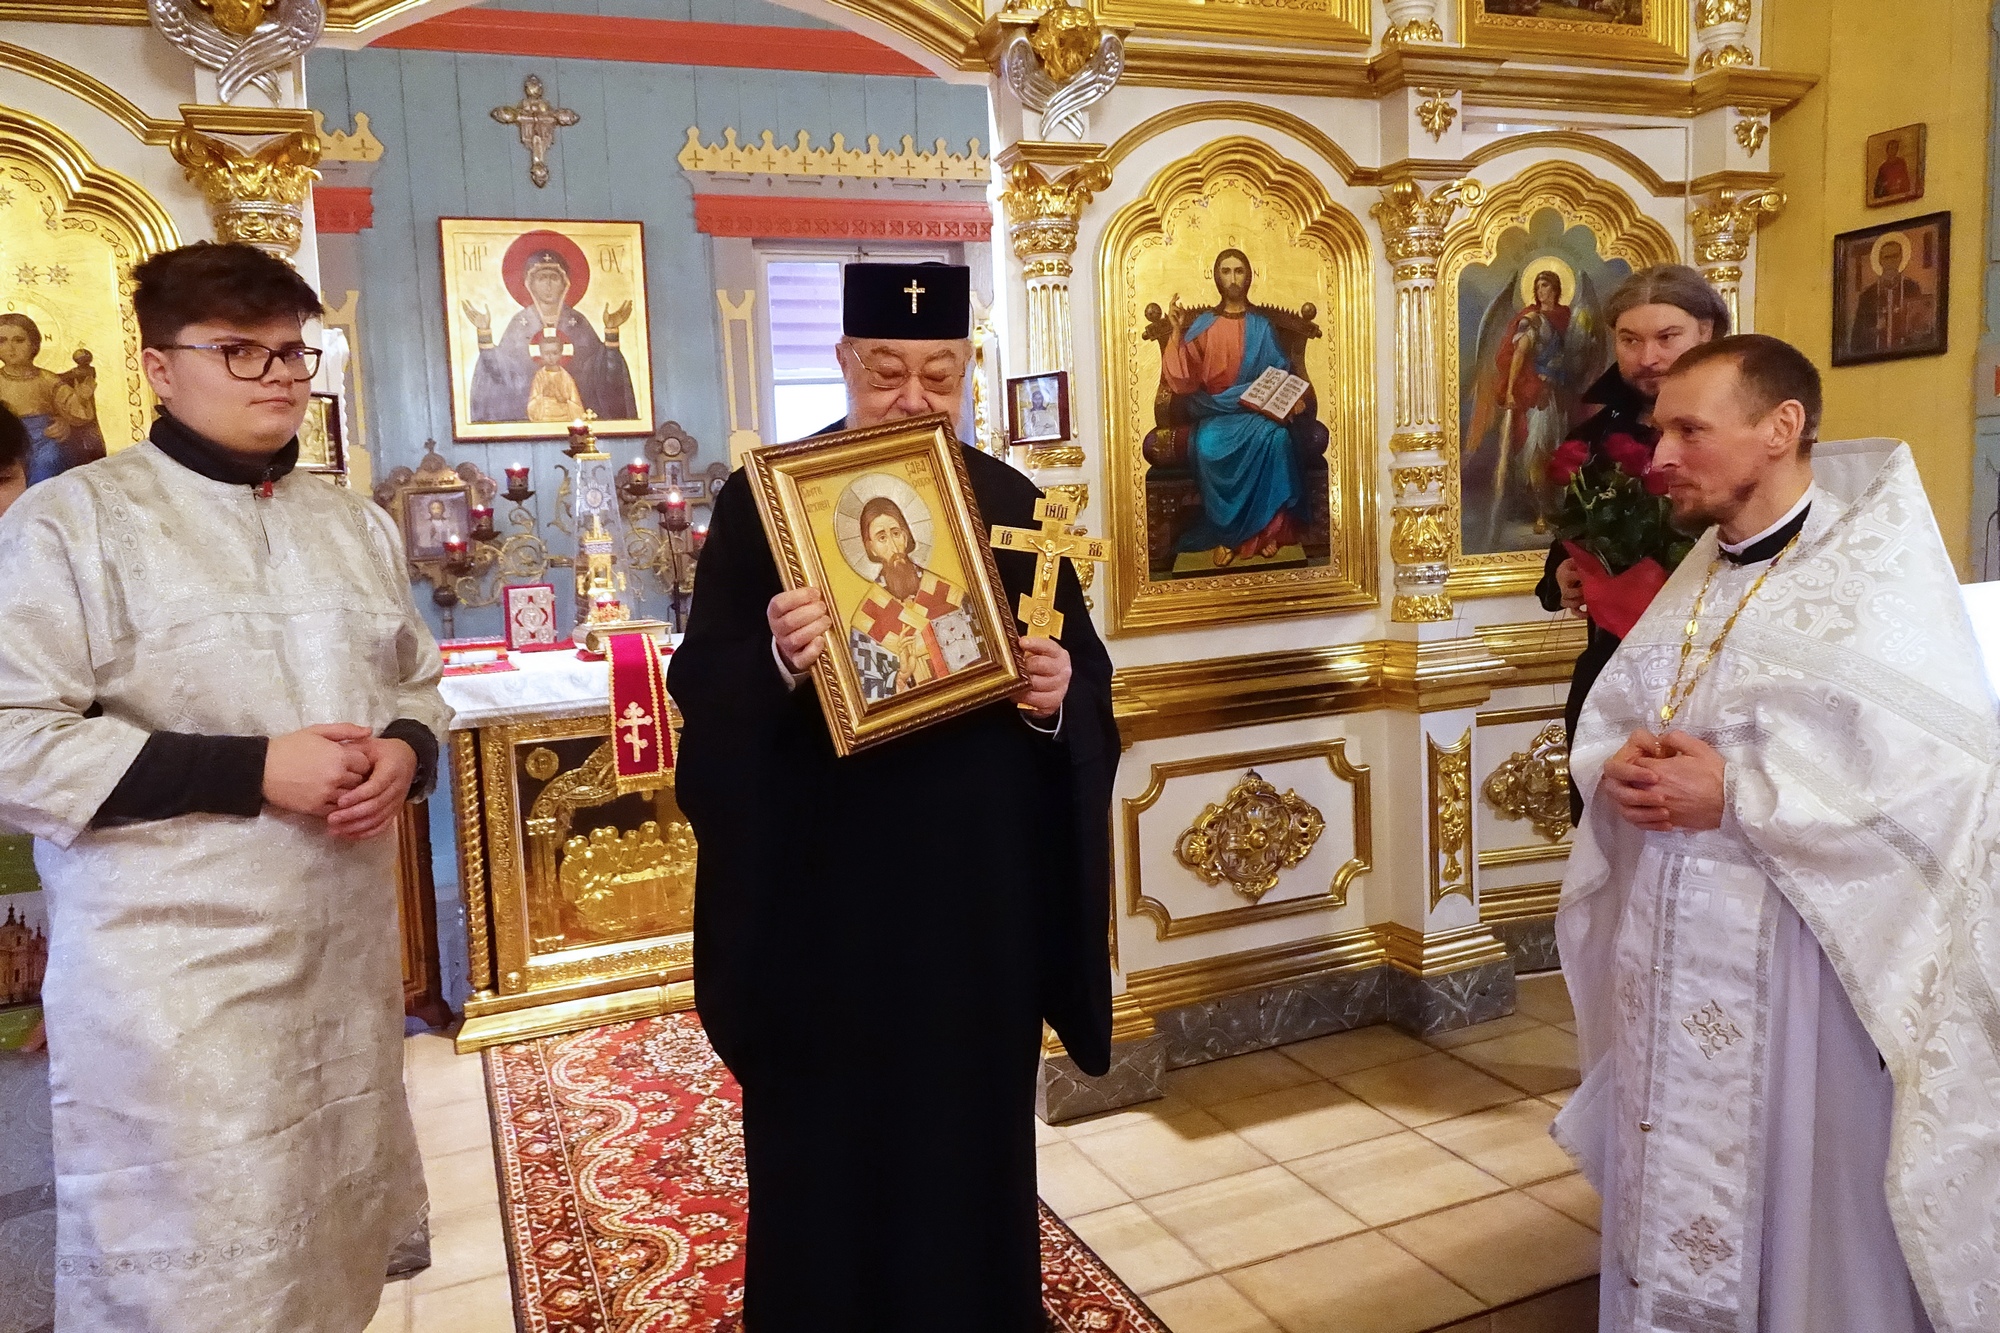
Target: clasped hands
<point>350,777</point>
<point>1663,783</point>
<point>800,622</point>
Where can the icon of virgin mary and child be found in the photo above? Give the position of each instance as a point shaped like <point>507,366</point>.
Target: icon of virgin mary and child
<point>58,408</point>
<point>912,626</point>
<point>549,364</point>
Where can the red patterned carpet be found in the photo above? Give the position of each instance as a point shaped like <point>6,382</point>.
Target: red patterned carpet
<point>622,1190</point>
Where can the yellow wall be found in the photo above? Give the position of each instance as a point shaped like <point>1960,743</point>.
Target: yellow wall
<point>1882,65</point>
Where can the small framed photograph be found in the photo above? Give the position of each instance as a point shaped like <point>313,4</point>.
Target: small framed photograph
<point>1895,162</point>
<point>431,518</point>
<point>321,446</point>
<point>1038,408</point>
<point>881,520</point>
<point>530,609</point>
<point>1892,290</point>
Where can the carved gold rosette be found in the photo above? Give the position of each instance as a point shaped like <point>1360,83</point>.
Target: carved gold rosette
<point>1534,784</point>
<point>1251,838</point>
<point>1046,194</point>
<point>1723,229</point>
<point>1451,817</point>
<point>257,197</point>
<point>1413,226</point>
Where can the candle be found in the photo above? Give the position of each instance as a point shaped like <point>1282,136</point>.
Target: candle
<point>454,547</point>
<point>674,511</point>
<point>640,469</point>
<point>482,520</point>
<point>698,538</point>
<point>517,476</point>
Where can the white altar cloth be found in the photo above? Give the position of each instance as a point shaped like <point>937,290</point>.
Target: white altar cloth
<point>557,683</point>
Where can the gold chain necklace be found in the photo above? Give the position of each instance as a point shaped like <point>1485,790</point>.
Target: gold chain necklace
<point>1678,694</point>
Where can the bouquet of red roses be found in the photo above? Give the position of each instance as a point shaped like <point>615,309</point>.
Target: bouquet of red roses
<point>1616,524</point>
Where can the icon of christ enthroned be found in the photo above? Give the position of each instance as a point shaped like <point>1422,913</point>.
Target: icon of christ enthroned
<point>912,626</point>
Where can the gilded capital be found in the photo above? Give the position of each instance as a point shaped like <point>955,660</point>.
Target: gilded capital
<point>1413,222</point>
<point>1412,22</point>
<point>256,198</point>
<point>1724,226</point>
<point>1721,26</point>
<point>1043,213</point>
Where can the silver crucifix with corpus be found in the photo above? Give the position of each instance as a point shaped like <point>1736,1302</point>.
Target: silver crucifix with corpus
<point>1052,543</point>
<point>538,120</point>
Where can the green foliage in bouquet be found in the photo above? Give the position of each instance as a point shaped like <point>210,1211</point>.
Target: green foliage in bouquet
<point>1614,505</point>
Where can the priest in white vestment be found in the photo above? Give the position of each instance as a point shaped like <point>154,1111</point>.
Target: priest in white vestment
<point>1779,925</point>
<point>215,697</point>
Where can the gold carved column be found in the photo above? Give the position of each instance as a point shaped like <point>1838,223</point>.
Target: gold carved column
<point>1048,187</point>
<point>1724,226</point>
<point>256,195</point>
<point>1413,225</point>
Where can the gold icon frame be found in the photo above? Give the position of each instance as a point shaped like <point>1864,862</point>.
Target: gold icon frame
<point>787,479</point>
<point>472,255</point>
<point>1659,40</point>
<point>1323,255</point>
<point>1581,198</point>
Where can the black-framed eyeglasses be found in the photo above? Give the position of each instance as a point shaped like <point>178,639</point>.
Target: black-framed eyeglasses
<point>936,383</point>
<point>252,361</point>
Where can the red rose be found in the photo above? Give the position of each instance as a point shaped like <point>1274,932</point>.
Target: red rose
<point>1564,462</point>
<point>1655,481</point>
<point>1630,455</point>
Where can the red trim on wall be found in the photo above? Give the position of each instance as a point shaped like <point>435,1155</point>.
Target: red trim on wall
<point>343,209</point>
<point>761,217</point>
<point>651,41</point>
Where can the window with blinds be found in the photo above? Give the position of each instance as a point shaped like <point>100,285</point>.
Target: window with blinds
<point>802,299</point>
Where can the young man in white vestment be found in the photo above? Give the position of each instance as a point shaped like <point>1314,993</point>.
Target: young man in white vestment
<point>1779,924</point>
<point>215,697</point>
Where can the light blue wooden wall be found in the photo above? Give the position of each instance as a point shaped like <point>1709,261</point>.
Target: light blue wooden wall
<point>446,157</point>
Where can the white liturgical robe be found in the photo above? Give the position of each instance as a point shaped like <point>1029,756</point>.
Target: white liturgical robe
<point>224,1001</point>
<point>1788,1026</point>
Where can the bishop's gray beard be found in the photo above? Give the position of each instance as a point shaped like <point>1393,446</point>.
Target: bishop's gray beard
<point>901,577</point>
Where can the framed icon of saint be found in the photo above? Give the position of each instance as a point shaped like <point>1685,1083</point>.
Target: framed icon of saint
<point>882,521</point>
<point>546,322</point>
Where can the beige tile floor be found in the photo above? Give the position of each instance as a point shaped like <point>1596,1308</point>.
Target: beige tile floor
<point>1366,1182</point>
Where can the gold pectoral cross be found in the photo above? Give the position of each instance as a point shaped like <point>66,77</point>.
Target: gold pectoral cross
<point>914,291</point>
<point>1052,543</point>
<point>636,720</point>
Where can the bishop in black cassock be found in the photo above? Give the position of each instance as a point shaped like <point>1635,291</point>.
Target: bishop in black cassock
<point>879,939</point>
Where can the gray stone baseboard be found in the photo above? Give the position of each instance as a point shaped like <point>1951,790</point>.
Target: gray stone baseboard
<point>1137,1074</point>
<point>1531,943</point>
<point>1290,1011</point>
<point>1425,1006</point>
<point>1274,1016</point>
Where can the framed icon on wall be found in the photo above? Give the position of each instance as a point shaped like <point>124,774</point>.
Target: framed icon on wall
<point>1895,166</point>
<point>546,321</point>
<point>1892,290</point>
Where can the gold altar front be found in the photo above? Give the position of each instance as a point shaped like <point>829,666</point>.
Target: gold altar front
<point>579,902</point>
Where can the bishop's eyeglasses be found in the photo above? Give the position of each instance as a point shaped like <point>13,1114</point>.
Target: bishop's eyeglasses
<point>892,379</point>
<point>252,361</point>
